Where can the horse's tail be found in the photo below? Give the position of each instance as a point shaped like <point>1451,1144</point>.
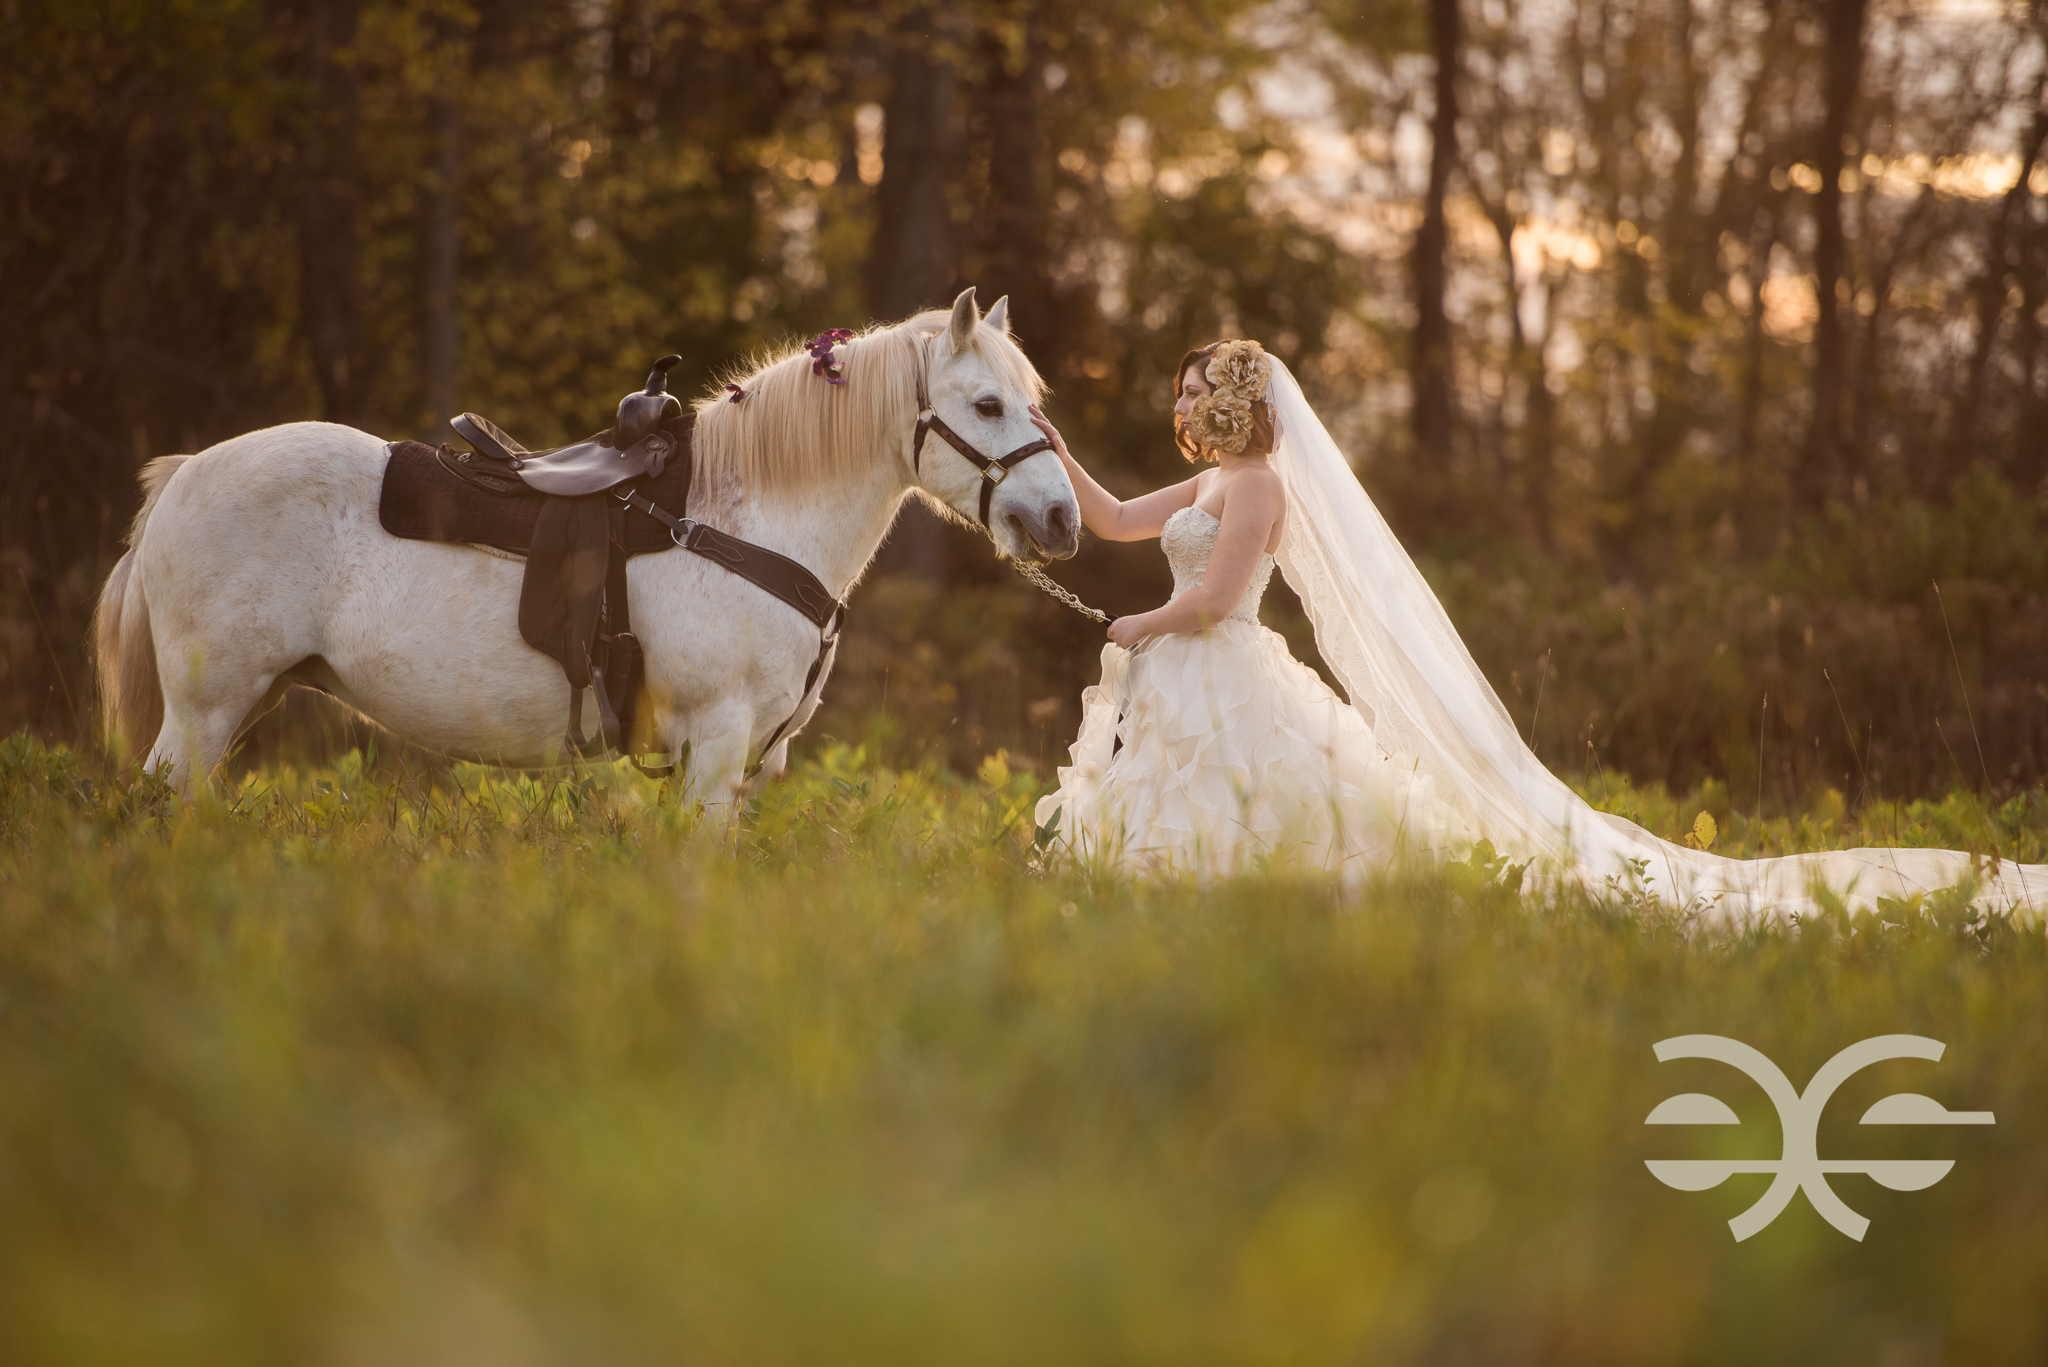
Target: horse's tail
<point>131,696</point>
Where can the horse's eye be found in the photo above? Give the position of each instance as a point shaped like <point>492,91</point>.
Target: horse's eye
<point>989,408</point>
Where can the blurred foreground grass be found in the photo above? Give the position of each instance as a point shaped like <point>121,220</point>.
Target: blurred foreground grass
<point>358,1068</point>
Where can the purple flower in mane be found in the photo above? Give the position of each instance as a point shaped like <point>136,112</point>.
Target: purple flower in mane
<point>823,362</point>
<point>737,392</point>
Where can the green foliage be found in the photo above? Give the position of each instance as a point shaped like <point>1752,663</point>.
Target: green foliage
<point>348,1063</point>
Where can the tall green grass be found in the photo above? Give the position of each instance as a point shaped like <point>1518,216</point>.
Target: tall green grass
<point>348,1066</point>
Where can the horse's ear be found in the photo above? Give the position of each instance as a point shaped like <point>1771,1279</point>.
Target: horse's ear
<point>998,316</point>
<point>966,318</point>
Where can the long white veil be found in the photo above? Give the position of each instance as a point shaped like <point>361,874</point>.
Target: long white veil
<point>1387,639</point>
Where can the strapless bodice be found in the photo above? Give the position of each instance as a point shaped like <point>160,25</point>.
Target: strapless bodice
<point>1187,538</point>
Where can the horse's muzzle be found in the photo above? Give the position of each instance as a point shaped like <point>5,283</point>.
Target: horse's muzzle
<point>1053,533</point>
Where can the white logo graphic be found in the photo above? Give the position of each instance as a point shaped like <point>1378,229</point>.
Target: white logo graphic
<point>1801,1168</point>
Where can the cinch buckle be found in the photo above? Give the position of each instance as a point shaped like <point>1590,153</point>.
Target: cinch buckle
<point>681,533</point>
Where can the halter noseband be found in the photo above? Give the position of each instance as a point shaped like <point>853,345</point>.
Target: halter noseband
<point>993,472</point>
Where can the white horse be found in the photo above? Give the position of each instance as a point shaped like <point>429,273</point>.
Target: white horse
<point>259,564</point>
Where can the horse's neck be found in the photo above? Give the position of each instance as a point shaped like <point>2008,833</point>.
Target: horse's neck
<point>832,528</point>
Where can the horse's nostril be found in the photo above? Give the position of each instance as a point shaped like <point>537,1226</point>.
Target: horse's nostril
<point>1062,520</point>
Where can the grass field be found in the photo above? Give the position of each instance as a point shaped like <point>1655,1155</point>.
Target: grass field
<point>347,1067</point>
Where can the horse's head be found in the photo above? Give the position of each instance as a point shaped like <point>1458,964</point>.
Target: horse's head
<point>974,458</point>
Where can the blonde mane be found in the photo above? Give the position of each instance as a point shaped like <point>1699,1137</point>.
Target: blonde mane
<point>795,429</point>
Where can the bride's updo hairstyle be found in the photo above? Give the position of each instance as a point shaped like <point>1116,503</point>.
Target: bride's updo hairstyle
<point>1235,418</point>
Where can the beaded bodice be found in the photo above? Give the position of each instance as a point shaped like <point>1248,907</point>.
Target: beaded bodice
<point>1187,538</point>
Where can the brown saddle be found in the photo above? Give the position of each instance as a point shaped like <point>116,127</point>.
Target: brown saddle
<point>637,444</point>
<point>573,603</point>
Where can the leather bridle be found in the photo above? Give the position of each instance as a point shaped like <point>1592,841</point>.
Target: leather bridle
<point>993,472</point>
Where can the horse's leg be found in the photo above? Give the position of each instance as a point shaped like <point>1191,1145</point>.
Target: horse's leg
<point>237,562</point>
<point>213,690</point>
<point>718,736</point>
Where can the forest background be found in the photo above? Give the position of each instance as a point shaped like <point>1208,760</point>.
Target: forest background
<point>1694,348</point>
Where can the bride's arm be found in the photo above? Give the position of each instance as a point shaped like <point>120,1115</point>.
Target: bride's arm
<point>1252,506</point>
<point>1102,512</point>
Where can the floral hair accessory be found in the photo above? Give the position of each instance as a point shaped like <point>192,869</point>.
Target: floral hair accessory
<point>737,392</point>
<point>1242,367</point>
<point>1239,373</point>
<point>823,362</point>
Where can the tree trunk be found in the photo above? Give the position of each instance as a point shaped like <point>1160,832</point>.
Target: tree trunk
<point>911,262</point>
<point>1430,361</point>
<point>1015,256</point>
<point>1673,387</point>
<point>441,245</point>
<point>2030,461</point>
<point>1867,407</point>
<point>1518,342</point>
<point>1689,248</point>
<point>1765,520</point>
<point>910,265</point>
<point>1845,31</point>
<point>1989,293</point>
<point>329,290</point>
<point>1539,450</point>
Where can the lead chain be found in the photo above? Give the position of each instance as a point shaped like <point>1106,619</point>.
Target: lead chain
<point>1034,575</point>
<point>1038,577</point>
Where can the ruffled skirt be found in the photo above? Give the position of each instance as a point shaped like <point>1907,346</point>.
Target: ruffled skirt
<point>1218,752</point>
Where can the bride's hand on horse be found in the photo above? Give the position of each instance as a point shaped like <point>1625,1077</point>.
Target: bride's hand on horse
<point>1102,512</point>
<point>1052,434</point>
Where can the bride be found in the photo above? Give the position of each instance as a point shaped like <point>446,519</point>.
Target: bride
<point>1208,749</point>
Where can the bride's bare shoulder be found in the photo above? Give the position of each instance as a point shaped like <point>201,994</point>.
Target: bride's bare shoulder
<point>1255,486</point>
<point>1254,498</point>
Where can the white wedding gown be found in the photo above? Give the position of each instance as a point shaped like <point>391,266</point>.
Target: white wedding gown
<point>1212,752</point>
<point>1215,752</point>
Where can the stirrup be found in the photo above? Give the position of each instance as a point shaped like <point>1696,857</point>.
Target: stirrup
<point>606,741</point>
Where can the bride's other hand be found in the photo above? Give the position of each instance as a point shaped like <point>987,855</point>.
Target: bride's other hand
<point>1128,631</point>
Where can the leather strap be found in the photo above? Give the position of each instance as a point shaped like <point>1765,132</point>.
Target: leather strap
<point>768,570</point>
<point>993,472</point>
<point>827,647</point>
<point>618,675</point>
<point>614,658</point>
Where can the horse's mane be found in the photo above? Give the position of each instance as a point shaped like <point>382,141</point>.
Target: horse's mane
<point>794,428</point>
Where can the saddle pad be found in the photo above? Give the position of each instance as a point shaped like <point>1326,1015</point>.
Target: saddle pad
<point>422,501</point>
